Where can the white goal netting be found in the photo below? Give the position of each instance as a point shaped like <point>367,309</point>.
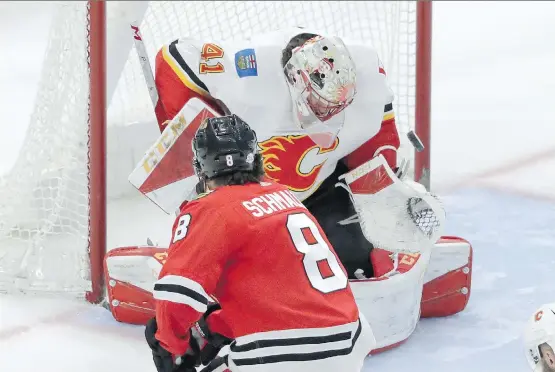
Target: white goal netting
<point>44,198</point>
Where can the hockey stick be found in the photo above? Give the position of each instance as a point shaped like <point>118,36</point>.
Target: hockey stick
<point>145,65</point>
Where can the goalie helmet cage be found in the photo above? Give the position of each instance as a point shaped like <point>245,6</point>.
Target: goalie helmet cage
<point>53,201</point>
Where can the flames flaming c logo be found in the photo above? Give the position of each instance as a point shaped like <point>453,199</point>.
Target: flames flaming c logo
<point>282,158</point>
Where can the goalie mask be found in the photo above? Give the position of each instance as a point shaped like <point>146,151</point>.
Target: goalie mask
<point>539,339</point>
<point>321,77</point>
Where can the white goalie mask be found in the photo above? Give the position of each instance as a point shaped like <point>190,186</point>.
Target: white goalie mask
<point>322,81</point>
<point>539,339</point>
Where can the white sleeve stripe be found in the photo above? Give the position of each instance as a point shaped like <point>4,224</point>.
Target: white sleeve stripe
<point>184,282</point>
<point>180,299</point>
<point>181,290</point>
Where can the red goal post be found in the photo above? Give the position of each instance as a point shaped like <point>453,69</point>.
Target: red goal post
<point>53,228</point>
<point>423,99</point>
<point>97,151</point>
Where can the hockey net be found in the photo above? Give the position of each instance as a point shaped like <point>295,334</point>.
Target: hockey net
<point>51,219</point>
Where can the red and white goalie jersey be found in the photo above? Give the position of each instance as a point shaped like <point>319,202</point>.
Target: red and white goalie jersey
<point>284,295</point>
<point>247,79</point>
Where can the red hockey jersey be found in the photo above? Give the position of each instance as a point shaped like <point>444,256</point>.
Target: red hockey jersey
<point>259,252</point>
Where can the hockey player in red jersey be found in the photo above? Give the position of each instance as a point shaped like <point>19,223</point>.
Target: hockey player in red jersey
<point>283,296</point>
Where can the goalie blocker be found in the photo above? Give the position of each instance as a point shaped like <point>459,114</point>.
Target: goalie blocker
<point>408,280</point>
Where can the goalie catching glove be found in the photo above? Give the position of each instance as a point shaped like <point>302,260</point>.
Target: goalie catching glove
<point>394,214</point>
<point>204,346</point>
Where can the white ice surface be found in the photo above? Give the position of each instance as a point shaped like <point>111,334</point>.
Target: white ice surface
<point>493,106</point>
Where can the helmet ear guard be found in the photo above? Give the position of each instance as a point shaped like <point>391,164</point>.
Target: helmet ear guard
<point>196,166</point>
<point>258,165</point>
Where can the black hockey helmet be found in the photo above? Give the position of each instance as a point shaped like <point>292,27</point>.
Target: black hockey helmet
<point>224,145</point>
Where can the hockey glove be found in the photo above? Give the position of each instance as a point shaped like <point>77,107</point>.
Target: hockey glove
<point>164,360</point>
<point>210,343</point>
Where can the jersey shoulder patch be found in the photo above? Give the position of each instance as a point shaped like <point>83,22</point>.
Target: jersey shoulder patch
<point>211,67</point>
